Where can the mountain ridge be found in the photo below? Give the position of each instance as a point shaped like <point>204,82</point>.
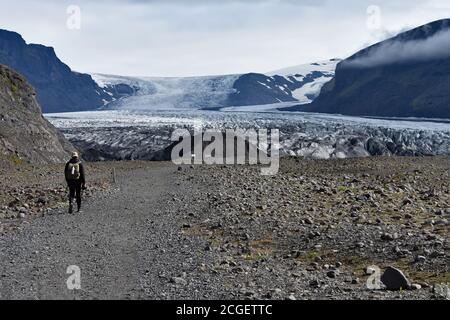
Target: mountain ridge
<point>221,91</point>
<point>58,88</point>
<point>24,133</point>
<point>405,76</point>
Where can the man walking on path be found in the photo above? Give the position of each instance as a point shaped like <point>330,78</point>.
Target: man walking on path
<point>74,173</point>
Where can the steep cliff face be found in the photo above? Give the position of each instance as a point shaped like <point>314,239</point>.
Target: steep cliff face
<point>58,88</point>
<point>405,76</point>
<point>25,135</point>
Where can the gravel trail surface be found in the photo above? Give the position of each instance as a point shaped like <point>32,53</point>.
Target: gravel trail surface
<point>127,245</point>
<point>217,232</point>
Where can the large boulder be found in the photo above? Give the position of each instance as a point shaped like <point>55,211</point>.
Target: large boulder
<point>394,279</point>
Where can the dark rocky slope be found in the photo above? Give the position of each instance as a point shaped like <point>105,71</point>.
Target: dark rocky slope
<point>406,76</point>
<point>24,133</point>
<point>58,88</point>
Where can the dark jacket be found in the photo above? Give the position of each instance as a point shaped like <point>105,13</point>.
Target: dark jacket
<point>82,179</point>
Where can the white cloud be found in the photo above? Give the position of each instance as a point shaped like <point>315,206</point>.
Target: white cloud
<point>198,37</point>
<point>398,51</point>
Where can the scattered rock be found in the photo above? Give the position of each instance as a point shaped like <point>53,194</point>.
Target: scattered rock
<point>42,200</point>
<point>178,281</point>
<point>407,201</point>
<point>238,270</point>
<point>415,286</point>
<point>369,270</point>
<point>421,259</point>
<point>394,279</point>
<point>389,237</point>
<point>332,274</point>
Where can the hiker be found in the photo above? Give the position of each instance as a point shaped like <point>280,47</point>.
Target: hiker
<point>74,173</point>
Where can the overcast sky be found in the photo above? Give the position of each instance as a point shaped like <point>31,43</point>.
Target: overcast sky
<point>206,37</point>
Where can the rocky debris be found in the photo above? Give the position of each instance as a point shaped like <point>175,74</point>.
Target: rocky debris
<point>370,270</point>
<point>421,259</point>
<point>394,279</point>
<point>442,291</point>
<point>178,281</point>
<point>332,274</point>
<point>25,136</point>
<point>28,201</point>
<point>247,237</point>
<point>291,297</point>
<point>33,191</point>
<point>415,286</point>
<point>318,228</point>
<point>389,237</point>
<point>309,138</point>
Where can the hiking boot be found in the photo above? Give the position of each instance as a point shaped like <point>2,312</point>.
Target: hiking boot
<point>70,208</point>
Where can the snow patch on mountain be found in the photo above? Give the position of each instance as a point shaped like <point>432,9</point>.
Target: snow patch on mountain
<point>327,67</point>
<point>300,84</point>
<point>309,91</point>
<point>312,77</point>
<point>156,93</point>
<point>107,81</point>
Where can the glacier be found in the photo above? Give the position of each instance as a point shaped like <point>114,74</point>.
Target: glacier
<point>156,93</point>
<point>138,123</point>
<point>145,135</point>
<point>295,85</point>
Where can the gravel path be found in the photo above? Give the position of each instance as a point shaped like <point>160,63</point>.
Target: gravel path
<point>127,245</point>
<point>220,232</point>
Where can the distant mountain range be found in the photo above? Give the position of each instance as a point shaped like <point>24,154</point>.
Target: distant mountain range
<point>300,84</point>
<point>58,87</point>
<point>406,76</point>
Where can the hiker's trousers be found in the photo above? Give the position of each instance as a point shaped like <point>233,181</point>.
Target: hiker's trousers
<point>74,191</point>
